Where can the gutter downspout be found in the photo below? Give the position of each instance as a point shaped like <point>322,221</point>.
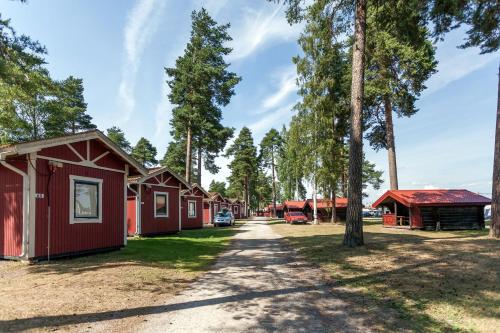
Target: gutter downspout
<point>25,202</point>
<point>180,207</point>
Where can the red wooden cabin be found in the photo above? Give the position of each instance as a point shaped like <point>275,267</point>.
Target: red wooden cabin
<point>154,202</point>
<point>433,209</point>
<point>296,206</point>
<point>237,208</point>
<point>212,206</point>
<point>268,211</point>
<point>63,196</point>
<point>324,209</point>
<point>192,207</point>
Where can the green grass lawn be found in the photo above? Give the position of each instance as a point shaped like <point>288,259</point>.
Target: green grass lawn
<point>444,281</point>
<point>145,273</point>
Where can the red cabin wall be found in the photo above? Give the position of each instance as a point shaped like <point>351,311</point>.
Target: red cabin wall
<point>11,211</point>
<point>150,224</point>
<point>79,237</point>
<point>416,218</point>
<point>192,222</point>
<point>131,215</point>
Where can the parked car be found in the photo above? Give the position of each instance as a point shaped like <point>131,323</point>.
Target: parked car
<point>295,217</point>
<point>225,217</point>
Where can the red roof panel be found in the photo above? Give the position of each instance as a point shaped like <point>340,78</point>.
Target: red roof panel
<point>434,197</point>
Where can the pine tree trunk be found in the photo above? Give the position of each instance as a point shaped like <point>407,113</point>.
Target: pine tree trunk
<point>334,207</point>
<point>188,155</point>
<point>391,145</point>
<point>354,225</point>
<point>199,167</point>
<point>274,182</point>
<point>495,201</point>
<point>247,196</point>
<point>315,203</point>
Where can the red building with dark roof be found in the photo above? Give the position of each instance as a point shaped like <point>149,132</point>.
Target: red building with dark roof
<point>154,202</point>
<point>63,196</point>
<point>433,209</point>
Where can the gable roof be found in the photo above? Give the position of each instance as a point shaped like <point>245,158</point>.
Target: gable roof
<point>36,145</point>
<point>193,187</point>
<point>295,204</point>
<point>433,197</point>
<point>214,195</point>
<point>153,172</point>
<point>327,203</point>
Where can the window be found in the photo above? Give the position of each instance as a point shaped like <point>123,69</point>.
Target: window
<point>191,208</point>
<point>216,208</point>
<point>85,200</point>
<point>161,204</point>
<point>236,209</point>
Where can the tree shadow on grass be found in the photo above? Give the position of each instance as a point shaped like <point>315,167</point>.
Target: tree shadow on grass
<point>412,273</point>
<point>190,250</point>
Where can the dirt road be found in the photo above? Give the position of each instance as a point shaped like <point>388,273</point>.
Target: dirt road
<point>259,285</point>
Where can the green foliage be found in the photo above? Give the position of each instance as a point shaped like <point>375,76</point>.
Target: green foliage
<point>201,85</point>
<point>243,166</point>
<point>145,153</point>
<point>175,158</point>
<point>290,168</point>
<point>116,135</point>
<point>399,59</point>
<point>371,176</point>
<point>219,187</point>
<point>32,105</point>
<point>68,110</point>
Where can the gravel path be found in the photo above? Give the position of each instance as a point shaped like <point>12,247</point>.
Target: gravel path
<point>259,285</point>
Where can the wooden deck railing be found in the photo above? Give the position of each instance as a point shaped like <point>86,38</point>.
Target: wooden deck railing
<point>393,220</point>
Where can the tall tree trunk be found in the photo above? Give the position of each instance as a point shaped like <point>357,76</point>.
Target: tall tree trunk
<point>188,155</point>
<point>315,202</point>
<point>247,196</point>
<point>495,201</point>
<point>274,182</point>
<point>198,180</point>
<point>354,225</point>
<point>334,207</point>
<point>391,145</point>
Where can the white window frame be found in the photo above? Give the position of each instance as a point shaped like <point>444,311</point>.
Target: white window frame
<point>236,209</point>
<point>195,212</point>
<point>216,208</point>
<point>166,204</point>
<point>72,218</point>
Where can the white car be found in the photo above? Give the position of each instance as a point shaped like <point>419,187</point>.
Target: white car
<point>224,218</point>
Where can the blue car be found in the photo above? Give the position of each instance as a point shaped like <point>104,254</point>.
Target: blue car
<point>224,218</point>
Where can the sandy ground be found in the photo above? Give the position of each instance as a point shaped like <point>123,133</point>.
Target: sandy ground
<point>260,285</point>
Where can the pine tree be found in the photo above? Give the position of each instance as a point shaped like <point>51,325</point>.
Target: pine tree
<point>244,164</point>
<point>201,85</point>
<point>400,58</point>
<point>145,153</point>
<point>116,135</point>
<point>175,158</point>
<point>219,187</point>
<point>270,147</point>
<point>68,111</point>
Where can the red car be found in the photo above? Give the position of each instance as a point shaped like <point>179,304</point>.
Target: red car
<point>295,217</point>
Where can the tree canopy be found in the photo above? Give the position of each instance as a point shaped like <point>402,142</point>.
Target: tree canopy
<point>145,153</point>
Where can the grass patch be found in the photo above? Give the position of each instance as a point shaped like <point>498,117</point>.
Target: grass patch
<point>435,281</point>
<point>70,294</point>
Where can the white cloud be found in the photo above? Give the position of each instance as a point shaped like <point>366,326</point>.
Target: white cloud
<point>142,23</point>
<point>260,28</point>
<point>274,119</point>
<point>287,85</point>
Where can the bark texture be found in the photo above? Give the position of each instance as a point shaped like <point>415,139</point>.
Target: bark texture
<point>199,165</point>
<point>274,182</point>
<point>354,225</point>
<point>495,204</point>
<point>188,155</point>
<point>391,145</point>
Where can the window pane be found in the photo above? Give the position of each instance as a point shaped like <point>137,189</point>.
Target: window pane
<point>86,200</point>
<point>192,209</point>
<point>161,204</point>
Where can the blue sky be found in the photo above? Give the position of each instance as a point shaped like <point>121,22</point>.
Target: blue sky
<point>120,48</point>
